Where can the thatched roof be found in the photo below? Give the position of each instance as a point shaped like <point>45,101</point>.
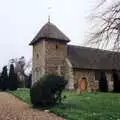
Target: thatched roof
<point>90,58</point>
<point>50,31</point>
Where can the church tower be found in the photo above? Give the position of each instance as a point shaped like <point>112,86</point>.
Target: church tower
<point>49,51</point>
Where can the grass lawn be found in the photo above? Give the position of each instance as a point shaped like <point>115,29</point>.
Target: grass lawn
<point>86,106</point>
<point>23,94</point>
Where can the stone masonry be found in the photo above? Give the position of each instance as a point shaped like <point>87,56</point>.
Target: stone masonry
<point>52,55</point>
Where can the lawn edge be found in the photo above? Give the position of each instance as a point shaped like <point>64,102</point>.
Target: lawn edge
<point>10,92</point>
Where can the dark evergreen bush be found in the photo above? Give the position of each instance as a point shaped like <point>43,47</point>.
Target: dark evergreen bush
<point>116,80</point>
<point>29,81</point>
<point>13,78</point>
<point>4,81</point>
<point>103,85</point>
<point>47,91</point>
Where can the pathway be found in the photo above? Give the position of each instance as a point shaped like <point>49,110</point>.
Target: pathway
<point>12,108</point>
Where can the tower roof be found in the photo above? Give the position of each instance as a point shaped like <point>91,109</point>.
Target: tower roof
<point>50,31</point>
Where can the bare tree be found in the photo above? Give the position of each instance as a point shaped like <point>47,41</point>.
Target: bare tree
<point>21,65</point>
<point>22,68</point>
<point>107,32</point>
<point>28,67</point>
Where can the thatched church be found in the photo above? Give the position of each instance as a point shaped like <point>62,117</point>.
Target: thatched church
<point>81,66</point>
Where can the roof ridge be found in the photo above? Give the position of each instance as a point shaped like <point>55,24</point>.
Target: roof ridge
<point>92,58</point>
<point>103,50</point>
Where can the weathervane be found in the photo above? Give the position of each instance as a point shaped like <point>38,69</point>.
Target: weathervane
<point>49,16</point>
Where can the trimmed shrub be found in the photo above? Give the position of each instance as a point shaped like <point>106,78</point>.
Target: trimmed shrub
<point>28,81</point>
<point>13,80</point>
<point>47,91</point>
<point>4,81</point>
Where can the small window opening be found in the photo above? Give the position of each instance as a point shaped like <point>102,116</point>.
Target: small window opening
<point>97,75</point>
<point>37,56</point>
<point>56,46</point>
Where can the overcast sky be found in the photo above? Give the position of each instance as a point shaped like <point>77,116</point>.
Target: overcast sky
<point>20,20</point>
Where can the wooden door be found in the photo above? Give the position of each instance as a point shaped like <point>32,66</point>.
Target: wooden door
<point>83,84</point>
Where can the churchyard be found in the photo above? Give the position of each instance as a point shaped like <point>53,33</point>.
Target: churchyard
<point>85,106</point>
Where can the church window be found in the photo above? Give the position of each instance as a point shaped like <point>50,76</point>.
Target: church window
<point>37,55</point>
<point>97,75</point>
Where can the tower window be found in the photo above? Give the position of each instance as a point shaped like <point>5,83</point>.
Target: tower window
<point>56,46</point>
<point>37,55</point>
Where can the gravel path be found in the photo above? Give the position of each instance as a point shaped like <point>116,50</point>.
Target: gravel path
<point>12,108</point>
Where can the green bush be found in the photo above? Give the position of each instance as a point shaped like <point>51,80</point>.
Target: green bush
<point>47,91</point>
<point>13,80</point>
<point>4,81</point>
